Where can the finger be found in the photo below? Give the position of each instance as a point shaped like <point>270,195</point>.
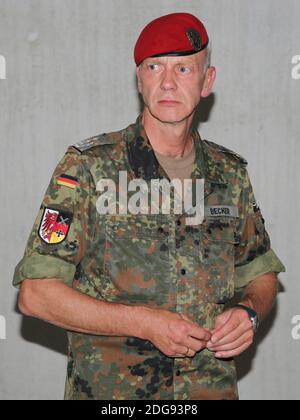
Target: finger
<point>185,351</point>
<point>191,353</point>
<point>222,319</point>
<point>179,356</point>
<point>232,353</point>
<point>227,329</point>
<point>199,333</point>
<point>233,336</point>
<point>244,339</point>
<point>195,345</point>
<point>194,329</point>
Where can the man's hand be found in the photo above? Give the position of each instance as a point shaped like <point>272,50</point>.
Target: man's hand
<point>174,334</point>
<point>233,334</point>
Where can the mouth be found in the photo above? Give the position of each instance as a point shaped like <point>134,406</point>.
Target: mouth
<point>168,102</point>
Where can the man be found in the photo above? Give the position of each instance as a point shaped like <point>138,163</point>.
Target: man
<point>141,294</point>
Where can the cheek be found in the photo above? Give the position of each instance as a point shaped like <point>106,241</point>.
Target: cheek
<point>197,90</point>
<point>193,94</point>
<point>192,86</point>
<point>149,90</point>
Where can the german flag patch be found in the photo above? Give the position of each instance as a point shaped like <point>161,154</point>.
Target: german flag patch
<point>67,181</point>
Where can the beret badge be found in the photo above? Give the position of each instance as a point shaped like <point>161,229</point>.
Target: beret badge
<point>195,39</point>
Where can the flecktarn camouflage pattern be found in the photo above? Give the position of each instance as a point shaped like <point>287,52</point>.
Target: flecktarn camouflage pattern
<point>149,260</point>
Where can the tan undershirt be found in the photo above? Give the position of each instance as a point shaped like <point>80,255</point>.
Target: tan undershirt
<point>179,167</point>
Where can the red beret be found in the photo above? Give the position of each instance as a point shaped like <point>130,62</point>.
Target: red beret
<point>176,34</point>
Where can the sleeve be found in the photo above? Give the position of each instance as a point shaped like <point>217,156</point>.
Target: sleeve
<point>62,229</point>
<point>253,254</point>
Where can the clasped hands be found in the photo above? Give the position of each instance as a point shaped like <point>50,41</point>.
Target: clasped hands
<point>179,337</point>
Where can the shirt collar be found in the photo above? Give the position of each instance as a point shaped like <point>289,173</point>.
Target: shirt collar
<point>145,165</point>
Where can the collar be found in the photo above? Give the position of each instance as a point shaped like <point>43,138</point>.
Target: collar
<point>145,165</point>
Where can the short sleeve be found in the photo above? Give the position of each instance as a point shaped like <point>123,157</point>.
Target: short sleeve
<point>62,228</point>
<point>253,254</point>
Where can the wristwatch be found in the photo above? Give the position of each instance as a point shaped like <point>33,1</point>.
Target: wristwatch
<point>252,316</point>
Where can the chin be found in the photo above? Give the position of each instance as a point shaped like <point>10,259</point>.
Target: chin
<point>169,116</point>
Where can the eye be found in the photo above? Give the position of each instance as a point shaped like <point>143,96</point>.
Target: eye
<point>153,67</point>
<point>184,70</point>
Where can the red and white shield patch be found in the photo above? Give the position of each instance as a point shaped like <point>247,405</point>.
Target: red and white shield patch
<point>55,225</point>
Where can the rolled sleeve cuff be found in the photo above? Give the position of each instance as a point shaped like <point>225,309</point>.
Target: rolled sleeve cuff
<point>43,267</point>
<point>267,263</point>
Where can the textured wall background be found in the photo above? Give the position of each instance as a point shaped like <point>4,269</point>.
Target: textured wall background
<point>70,74</point>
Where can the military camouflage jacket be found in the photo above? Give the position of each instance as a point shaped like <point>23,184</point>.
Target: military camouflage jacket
<point>149,260</point>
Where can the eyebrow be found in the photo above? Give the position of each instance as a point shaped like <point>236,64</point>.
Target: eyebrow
<point>184,63</point>
<point>181,61</point>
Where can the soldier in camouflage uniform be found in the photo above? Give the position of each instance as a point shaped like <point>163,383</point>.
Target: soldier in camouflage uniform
<point>142,296</point>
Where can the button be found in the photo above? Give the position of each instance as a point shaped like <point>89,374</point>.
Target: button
<point>178,373</point>
<point>183,271</point>
<point>190,212</point>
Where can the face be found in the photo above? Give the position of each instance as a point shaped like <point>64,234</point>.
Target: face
<point>173,86</point>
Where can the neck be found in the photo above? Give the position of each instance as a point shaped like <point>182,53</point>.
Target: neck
<point>169,139</point>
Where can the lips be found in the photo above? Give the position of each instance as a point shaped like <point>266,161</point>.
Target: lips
<point>168,102</point>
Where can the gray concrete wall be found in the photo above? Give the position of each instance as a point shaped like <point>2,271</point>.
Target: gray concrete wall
<point>66,73</point>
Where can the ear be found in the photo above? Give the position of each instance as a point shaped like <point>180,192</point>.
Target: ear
<point>210,77</point>
<point>138,75</point>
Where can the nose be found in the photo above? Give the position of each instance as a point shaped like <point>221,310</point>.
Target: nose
<point>168,81</point>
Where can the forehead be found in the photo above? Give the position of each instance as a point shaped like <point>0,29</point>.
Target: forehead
<point>186,60</point>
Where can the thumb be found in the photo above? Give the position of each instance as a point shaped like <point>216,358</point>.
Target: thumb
<point>185,318</point>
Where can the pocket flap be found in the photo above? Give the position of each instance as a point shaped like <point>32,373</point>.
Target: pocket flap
<point>221,229</point>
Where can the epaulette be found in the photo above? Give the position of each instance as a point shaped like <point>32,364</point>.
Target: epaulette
<point>95,141</point>
<point>223,149</point>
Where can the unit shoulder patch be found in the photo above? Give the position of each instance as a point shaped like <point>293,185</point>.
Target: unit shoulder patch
<point>223,149</point>
<point>54,226</point>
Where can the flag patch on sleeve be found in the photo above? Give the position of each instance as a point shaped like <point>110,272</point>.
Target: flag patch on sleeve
<point>55,225</point>
<point>67,181</point>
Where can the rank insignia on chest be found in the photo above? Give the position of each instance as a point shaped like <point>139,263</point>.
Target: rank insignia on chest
<point>54,226</point>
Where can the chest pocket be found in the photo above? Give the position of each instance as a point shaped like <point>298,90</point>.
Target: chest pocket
<point>136,260</point>
<point>216,284</point>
